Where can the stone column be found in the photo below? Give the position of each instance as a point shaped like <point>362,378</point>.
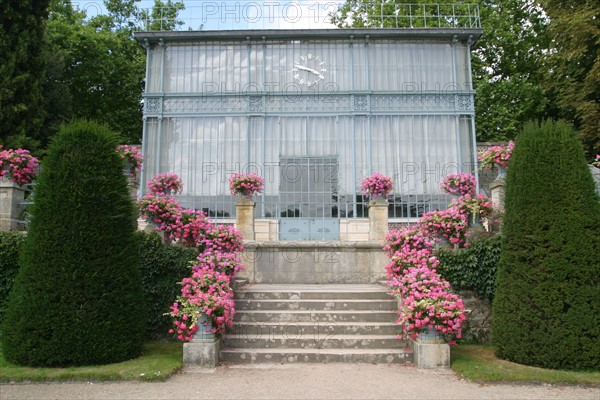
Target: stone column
<point>244,217</point>
<point>202,350</point>
<point>497,188</point>
<point>378,219</point>
<point>11,195</point>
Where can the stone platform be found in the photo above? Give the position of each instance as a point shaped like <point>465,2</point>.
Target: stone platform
<point>307,262</point>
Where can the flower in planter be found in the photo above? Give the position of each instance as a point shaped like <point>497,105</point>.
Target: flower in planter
<point>190,227</point>
<point>406,259</point>
<point>223,238</point>
<point>427,303</point>
<point>476,207</point>
<point>165,184</point>
<point>246,184</point>
<point>224,262</point>
<point>450,224</point>
<point>18,165</point>
<point>596,162</point>
<point>411,237</point>
<point>132,156</point>
<point>162,210</point>
<point>495,156</point>
<point>205,293</point>
<point>376,185</point>
<point>459,184</point>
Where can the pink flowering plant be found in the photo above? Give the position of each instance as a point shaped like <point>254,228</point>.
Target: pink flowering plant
<point>596,162</point>
<point>132,156</point>
<point>165,184</point>
<point>459,184</point>
<point>376,185</point>
<point>477,207</point>
<point>205,293</point>
<point>246,184</point>
<point>189,227</point>
<point>406,259</point>
<point>223,262</point>
<point>161,210</point>
<point>427,303</point>
<point>18,165</point>
<point>411,237</point>
<point>450,224</point>
<point>223,238</point>
<point>495,156</point>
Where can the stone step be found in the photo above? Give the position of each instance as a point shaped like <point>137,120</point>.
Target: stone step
<point>293,355</point>
<point>312,292</point>
<point>324,305</point>
<point>316,328</point>
<point>315,316</point>
<point>295,339</point>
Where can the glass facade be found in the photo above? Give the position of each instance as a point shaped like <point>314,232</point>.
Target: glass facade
<point>313,117</point>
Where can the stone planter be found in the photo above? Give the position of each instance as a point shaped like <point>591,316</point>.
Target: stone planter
<point>501,173</point>
<point>203,349</point>
<point>431,350</point>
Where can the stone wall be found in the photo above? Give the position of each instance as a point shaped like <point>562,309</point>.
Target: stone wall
<point>306,262</point>
<point>478,327</point>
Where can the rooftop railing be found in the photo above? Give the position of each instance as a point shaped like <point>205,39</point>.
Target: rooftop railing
<point>242,15</point>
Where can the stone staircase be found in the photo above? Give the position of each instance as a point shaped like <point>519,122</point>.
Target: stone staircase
<point>279,323</point>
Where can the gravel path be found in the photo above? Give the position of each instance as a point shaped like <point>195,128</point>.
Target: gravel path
<point>299,381</point>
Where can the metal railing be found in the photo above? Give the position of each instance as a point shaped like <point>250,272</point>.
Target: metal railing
<point>317,14</point>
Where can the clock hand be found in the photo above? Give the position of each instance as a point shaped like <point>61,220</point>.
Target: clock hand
<point>303,68</point>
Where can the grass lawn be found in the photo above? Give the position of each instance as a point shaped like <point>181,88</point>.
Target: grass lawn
<point>478,363</point>
<point>157,363</point>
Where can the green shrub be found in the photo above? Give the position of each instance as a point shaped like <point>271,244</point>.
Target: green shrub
<point>10,246</point>
<point>547,302</point>
<point>162,268</point>
<point>78,297</point>
<point>472,268</point>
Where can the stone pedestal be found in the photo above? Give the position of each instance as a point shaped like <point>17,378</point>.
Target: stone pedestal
<point>378,219</point>
<point>497,188</point>
<point>11,195</point>
<point>244,217</point>
<point>431,354</point>
<point>202,353</point>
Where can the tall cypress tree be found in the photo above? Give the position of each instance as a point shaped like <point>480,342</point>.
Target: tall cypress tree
<point>22,70</point>
<point>78,297</point>
<point>547,304</point>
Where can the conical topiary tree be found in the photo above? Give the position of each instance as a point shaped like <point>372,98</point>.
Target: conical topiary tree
<point>78,297</point>
<point>547,304</point>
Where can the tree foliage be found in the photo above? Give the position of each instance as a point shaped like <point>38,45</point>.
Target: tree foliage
<point>22,71</point>
<point>78,298</point>
<point>572,65</point>
<point>546,307</point>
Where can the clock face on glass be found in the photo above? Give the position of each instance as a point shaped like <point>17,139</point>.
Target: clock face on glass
<point>309,70</point>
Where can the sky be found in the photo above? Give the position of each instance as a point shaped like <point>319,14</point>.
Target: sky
<point>242,14</point>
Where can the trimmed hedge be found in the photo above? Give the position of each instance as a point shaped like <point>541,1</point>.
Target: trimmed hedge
<point>547,303</point>
<point>472,268</point>
<point>10,247</point>
<point>78,299</point>
<point>162,268</point>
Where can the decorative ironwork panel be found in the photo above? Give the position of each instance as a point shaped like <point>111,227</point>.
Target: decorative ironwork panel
<point>153,105</point>
<point>221,104</point>
<point>421,102</point>
<point>361,103</point>
<point>312,104</point>
<point>465,103</point>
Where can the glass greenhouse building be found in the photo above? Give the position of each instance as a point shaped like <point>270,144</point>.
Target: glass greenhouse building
<point>313,112</point>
